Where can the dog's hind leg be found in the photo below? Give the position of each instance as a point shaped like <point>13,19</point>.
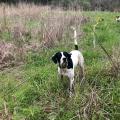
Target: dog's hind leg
<point>71,89</point>
<point>82,74</point>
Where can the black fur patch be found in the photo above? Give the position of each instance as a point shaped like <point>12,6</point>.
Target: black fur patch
<point>69,60</point>
<point>76,47</point>
<point>56,58</point>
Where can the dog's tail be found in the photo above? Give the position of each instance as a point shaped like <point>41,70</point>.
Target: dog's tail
<point>75,38</point>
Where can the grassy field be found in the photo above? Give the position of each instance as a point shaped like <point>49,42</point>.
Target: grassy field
<point>29,86</point>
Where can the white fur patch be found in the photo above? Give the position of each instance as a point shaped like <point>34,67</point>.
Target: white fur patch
<point>61,60</point>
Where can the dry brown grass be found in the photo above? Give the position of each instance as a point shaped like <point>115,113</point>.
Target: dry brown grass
<point>41,21</point>
<point>115,70</point>
<point>31,27</point>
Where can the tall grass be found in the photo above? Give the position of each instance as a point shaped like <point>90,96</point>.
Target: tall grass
<point>32,34</point>
<point>31,27</point>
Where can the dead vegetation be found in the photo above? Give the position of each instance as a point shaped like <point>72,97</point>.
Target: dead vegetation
<point>115,69</point>
<point>25,29</point>
<point>7,54</point>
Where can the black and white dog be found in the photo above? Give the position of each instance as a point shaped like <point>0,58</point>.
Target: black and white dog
<point>67,62</point>
<point>118,18</point>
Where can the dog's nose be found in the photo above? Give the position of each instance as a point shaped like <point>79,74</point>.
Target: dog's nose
<point>64,59</point>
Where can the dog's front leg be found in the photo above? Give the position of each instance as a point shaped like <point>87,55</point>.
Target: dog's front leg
<point>61,77</point>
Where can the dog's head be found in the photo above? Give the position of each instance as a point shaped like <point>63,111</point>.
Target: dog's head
<point>62,59</point>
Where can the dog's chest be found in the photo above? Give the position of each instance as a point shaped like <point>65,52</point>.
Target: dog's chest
<point>66,72</point>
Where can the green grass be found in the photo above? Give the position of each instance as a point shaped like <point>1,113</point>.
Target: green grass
<point>43,97</point>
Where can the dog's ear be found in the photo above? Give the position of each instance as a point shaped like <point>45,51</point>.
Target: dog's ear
<point>67,55</point>
<point>54,58</point>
